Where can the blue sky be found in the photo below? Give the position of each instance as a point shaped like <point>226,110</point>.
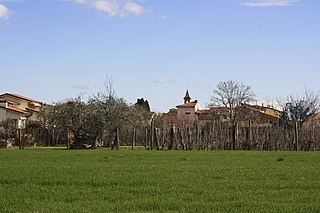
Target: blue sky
<point>51,50</point>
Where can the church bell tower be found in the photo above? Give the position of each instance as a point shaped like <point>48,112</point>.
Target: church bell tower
<point>187,98</point>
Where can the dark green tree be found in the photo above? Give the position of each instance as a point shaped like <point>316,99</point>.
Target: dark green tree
<point>143,104</point>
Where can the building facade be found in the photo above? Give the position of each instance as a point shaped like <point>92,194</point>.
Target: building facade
<point>187,112</point>
<point>15,106</point>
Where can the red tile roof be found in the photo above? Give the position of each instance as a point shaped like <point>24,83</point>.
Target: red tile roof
<point>215,110</point>
<point>266,110</point>
<point>33,110</point>
<point>4,100</point>
<point>21,97</point>
<point>10,102</point>
<point>188,105</point>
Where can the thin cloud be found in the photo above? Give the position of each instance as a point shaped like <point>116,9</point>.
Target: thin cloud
<point>77,1</point>
<point>163,17</point>
<point>85,86</point>
<point>5,12</point>
<point>11,1</point>
<point>269,3</point>
<point>113,8</point>
<point>164,81</point>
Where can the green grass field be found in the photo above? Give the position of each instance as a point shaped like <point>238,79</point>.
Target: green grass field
<point>43,180</point>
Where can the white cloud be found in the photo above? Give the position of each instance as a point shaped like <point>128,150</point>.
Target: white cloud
<point>134,8</point>
<point>85,86</point>
<point>11,0</point>
<point>78,1</point>
<point>269,3</point>
<point>164,81</point>
<point>113,8</point>
<point>5,13</point>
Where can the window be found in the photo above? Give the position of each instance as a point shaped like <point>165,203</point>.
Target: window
<point>187,112</point>
<point>30,105</point>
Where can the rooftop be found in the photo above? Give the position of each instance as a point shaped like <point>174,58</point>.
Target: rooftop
<point>188,105</point>
<point>20,97</point>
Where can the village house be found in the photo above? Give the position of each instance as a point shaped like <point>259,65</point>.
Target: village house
<point>191,111</point>
<point>15,106</point>
<point>187,112</point>
<point>313,120</point>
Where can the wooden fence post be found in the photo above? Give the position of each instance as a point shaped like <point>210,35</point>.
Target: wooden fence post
<point>235,135</point>
<point>296,135</point>
<point>116,142</point>
<point>133,138</point>
<point>250,135</point>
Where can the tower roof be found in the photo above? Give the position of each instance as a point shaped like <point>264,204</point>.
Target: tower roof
<point>187,97</point>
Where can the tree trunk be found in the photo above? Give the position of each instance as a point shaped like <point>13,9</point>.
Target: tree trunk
<point>68,141</point>
<point>155,138</point>
<point>133,138</point>
<point>20,139</point>
<point>146,139</point>
<point>235,135</point>
<point>250,135</point>
<point>296,135</point>
<point>171,138</point>
<point>151,134</point>
<point>117,139</point>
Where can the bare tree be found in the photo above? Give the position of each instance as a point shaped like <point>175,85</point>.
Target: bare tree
<point>114,113</point>
<point>109,88</point>
<point>231,94</point>
<point>99,119</point>
<point>297,110</point>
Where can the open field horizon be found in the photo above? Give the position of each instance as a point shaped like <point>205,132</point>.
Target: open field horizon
<point>54,180</point>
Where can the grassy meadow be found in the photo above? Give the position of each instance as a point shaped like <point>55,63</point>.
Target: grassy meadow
<point>56,180</point>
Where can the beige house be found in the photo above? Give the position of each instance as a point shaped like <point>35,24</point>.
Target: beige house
<point>15,106</point>
<point>260,115</point>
